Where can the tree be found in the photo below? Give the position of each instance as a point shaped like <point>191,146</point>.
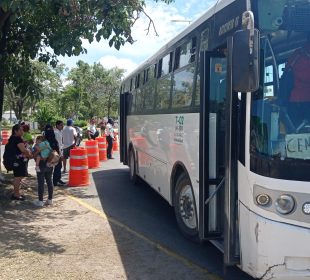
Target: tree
<point>93,91</point>
<point>28,27</point>
<point>112,91</point>
<point>28,82</point>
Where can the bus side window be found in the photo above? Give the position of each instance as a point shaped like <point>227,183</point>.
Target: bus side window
<point>268,81</point>
<point>149,88</point>
<point>131,83</point>
<point>139,93</point>
<point>197,90</point>
<point>166,65</point>
<point>185,54</point>
<point>183,82</point>
<point>139,100</point>
<point>163,92</point>
<point>133,102</point>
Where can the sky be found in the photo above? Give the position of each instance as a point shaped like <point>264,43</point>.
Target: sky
<point>130,56</point>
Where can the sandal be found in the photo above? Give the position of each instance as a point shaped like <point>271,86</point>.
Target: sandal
<point>21,197</point>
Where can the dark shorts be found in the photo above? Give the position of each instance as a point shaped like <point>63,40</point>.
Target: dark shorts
<point>66,151</point>
<point>21,169</point>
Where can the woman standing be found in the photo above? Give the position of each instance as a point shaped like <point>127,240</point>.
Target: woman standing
<point>45,173</point>
<point>16,149</point>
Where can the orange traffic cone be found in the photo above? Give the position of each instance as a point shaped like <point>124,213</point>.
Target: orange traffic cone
<point>78,173</point>
<point>92,153</point>
<point>115,144</point>
<point>5,137</point>
<point>102,145</point>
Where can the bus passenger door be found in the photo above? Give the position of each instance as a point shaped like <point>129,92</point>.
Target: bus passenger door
<point>213,87</point>
<point>124,101</point>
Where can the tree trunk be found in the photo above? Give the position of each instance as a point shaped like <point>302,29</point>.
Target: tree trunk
<point>1,96</point>
<point>4,28</point>
<point>20,108</point>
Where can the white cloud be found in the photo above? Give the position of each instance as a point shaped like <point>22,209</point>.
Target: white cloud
<point>110,61</point>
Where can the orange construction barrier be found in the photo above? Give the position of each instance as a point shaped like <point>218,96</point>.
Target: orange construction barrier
<point>5,135</point>
<point>115,144</point>
<point>102,145</point>
<point>92,153</point>
<point>78,173</point>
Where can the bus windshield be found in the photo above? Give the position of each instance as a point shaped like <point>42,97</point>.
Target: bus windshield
<point>280,112</point>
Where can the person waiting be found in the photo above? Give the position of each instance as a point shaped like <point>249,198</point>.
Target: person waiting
<point>295,85</point>
<point>92,132</point>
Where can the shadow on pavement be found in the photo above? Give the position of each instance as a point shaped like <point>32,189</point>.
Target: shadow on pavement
<point>19,229</point>
<point>146,212</point>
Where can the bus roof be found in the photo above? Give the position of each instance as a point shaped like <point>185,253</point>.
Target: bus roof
<point>208,14</point>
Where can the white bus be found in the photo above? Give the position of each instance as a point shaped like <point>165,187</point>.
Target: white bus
<point>211,124</point>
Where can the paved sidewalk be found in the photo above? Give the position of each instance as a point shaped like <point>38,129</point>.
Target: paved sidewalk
<point>73,240</point>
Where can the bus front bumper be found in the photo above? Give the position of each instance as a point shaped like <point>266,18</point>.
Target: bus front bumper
<point>273,250</point>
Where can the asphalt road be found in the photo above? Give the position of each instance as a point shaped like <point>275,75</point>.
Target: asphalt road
<point>146,212</point>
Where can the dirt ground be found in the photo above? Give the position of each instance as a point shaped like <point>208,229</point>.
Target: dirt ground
<point>70,241</point>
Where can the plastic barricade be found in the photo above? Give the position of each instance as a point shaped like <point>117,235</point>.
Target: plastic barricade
<point>92,153</point>
<point>5,135</point>
<point>78,173</point>
<point>102,146</point>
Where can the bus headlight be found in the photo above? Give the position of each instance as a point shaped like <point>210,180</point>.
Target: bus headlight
<point>263,199</point>
<point>306,208</point>
<point>285,204</point>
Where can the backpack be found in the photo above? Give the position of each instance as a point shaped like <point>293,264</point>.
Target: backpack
<point>9,157</point>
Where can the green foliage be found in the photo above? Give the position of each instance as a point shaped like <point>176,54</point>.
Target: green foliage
<point>93,91</point>
<point>31,26</point>
<point>5,124</point>
<point>28,83</point>
<point>32,29</point>
<point>46,114</point>
<point>80,123</point>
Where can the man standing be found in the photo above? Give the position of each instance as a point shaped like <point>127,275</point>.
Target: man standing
<point>110,137</point>
<point>57,170</point>
<point>69,137</point>
<point>92,132</point>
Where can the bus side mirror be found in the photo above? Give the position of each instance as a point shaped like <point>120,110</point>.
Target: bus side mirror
<point>245,61</point>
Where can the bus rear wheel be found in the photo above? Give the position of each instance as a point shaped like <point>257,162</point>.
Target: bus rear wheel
<point>132,167</point>
<point>185,208</point>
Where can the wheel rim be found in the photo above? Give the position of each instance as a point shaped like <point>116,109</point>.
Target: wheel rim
<point>187,207</point>
<point>132,165</point>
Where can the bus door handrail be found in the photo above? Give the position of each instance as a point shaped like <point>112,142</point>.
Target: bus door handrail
<point>216,191</point>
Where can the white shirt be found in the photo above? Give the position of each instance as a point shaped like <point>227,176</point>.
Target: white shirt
<point>68,135</point>
<point>109,130</point>
<point>58,136</point>
<point>92,129</point>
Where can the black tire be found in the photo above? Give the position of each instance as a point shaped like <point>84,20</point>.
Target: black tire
<point>185,208</point>
<point>132,167</point>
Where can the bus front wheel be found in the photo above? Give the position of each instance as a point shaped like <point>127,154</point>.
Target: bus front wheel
<point>132,167</point>
<point>185,208</point>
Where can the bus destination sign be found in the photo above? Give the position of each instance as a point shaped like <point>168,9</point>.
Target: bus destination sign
<point>298,146</point>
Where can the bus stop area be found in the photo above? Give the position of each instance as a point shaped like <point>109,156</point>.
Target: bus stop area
<point>109,230</point>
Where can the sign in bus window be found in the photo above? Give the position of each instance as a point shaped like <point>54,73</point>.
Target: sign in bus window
<point>298,146</point>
